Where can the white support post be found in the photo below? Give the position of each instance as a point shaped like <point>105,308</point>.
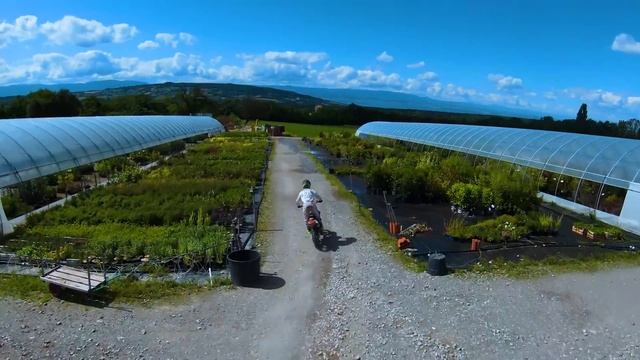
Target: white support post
<point>5,225</point>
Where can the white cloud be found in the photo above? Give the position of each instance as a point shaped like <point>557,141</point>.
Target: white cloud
<point>459,93</point>
<point>174,40</point>
<point>98,65</point>
<point>596,97</point>
<point>550,95</point>
<point>273,66</point>
<point>417,65</point>
<point>167,39</point>
<point>24,28</point>
<point>376,78</point>
<point>177,66</point>
<point>292,57</point>
<point>428,76</point>
<point>452,90</point>
<point>421,81</point>
<point>148,44</point>
<point>610,98</point>
<point>86,33</point>
<point>348,77</point>
<point>435,89</point>
<point>625,43</point>
<point>339,76</point>
<point>633,100</point>
<point>384,57</point>
<point>186,38</point>
<point>49,67</point>
<point>505,82</point>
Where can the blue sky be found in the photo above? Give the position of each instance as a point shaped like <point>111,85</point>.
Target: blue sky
<point>542,55</point>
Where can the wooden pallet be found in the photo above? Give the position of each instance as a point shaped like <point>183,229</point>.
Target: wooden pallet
<point>75,279</point>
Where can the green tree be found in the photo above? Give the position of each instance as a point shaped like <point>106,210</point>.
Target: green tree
<point>92,106</point>
<point>582,116</point>
<point>46,103</point>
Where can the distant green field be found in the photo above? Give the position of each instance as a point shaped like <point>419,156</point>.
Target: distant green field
<point>308,130</point>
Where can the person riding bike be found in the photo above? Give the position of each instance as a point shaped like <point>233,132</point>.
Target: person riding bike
<point>307,199</point>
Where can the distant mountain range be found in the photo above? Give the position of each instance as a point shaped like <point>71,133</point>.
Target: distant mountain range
<point>398,100</point>
<point>212,90</point>
<point>290,95</point>
<point>16,90</point>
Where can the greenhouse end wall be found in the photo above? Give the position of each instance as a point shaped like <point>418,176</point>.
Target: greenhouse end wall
<point>630,215</point>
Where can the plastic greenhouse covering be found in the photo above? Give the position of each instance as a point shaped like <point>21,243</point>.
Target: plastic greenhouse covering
<point>614,161</point>
<point>31,148</point>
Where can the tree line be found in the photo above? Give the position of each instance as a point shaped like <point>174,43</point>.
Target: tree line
<point>45,103</point>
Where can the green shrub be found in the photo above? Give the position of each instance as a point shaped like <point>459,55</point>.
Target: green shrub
<point>201,241</point>
<point>543,224</point>
<point>454,169</point>
<point>33,251</point>
<point>457,228</point>
<point>379,178</point>
<point>470,197</point>
<point>512,193</point>
<point>130,174</point>
<point>501,228</point>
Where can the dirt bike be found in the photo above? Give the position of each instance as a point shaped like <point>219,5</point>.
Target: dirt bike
<point>314,226</point>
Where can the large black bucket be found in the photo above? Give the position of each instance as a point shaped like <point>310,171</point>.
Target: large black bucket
<point>244,267</point>
<point>437,264</point>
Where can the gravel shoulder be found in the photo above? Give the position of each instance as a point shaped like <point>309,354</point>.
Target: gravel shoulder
<point>349,300</point>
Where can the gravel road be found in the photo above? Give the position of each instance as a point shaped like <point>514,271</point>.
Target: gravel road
<point>348,300</point>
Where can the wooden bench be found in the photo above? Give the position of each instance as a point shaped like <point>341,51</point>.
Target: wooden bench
<point>76,279</point>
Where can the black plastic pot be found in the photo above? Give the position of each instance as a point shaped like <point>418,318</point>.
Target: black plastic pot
<point>437,264</point>
<point>244,267</point>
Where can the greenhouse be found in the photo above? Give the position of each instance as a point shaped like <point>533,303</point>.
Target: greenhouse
<point>32,148</point>
<point>584,173</point>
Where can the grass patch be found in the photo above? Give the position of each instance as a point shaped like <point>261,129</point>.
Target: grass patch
<point>24,287</point>
<point>133,291</point>
<point>311,130</point>
<point>266,207</point>
<point>529,269</point>
<point>125,290</point>
<point>385,240</point>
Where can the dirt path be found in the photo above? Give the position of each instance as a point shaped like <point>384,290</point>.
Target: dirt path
<point>292,256</point>
<point>347,301</point>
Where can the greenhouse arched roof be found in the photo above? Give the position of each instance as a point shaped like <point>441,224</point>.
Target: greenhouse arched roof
<point>614,161</point>
<point>31,148</point>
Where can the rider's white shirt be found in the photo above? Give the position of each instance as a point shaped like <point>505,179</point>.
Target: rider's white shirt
<point>308,197</point>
